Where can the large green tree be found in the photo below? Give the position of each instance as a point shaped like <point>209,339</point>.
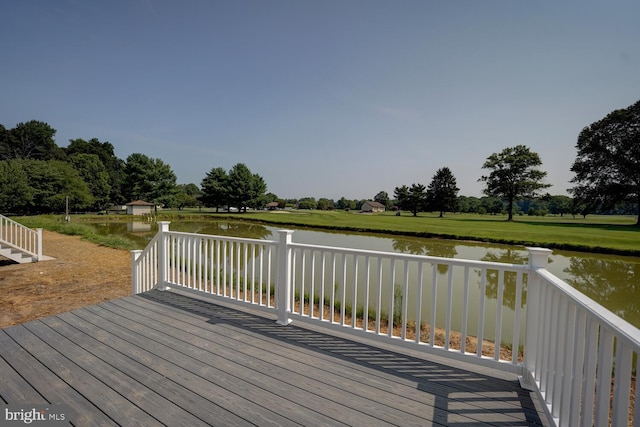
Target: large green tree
<point>113,165</point>
<point>239,188</point>
<point>16,195</point>
<point>442,193</point>
<point>52,182</point>
<point>188,196</point>
<point>150,180</point>
<point>412,198</point>
<point>30,140</point>
<point>215,188</point>
<point>607,166</point>
<point>246,189</point>
<point>383,198</point>
<point>95,175</point>
<point>401,195</point>
<point>514,174</point>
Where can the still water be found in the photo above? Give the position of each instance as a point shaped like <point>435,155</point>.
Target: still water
<point>611,280</point>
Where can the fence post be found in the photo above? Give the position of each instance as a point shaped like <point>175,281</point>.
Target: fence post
<point>283,282</point>
<point>135,276</point>
<point>39,244</point>
<point>538,259</point>
<point>163,254</point>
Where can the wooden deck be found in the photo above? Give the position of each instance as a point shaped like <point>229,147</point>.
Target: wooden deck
<point>162,358</point>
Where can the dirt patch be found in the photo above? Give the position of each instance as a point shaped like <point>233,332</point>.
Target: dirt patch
<point>81,274</point>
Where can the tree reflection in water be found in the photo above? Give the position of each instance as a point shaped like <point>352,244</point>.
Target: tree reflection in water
<point>224,228</point>
<point>431,247</point>
<point>615,284</point>
<point>509,256</point>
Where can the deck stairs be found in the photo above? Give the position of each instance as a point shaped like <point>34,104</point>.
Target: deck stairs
<point>19,243</point>
<point>15,254</point>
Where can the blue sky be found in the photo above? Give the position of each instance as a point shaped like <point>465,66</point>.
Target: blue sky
<point>323,98</point>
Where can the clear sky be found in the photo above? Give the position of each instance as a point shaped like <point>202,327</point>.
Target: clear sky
<point>324,98</point>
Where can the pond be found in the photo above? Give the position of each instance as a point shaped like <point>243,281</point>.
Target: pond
<point>611,280</point>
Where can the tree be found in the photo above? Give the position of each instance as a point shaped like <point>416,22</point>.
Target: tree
<point>513,175</point>
<point>31,140</point>
<point>417,198</point>
<point>243,188</point>
<point>151,180</point>
<point>411,198</point>
<point>52,181</point>
<point>215,188</point>
<point>469,204</point>
<point>113,165</point>
<point>246,189</point>
<point>560,205</point>
<point>6,146</point>
<point>95,175</point>
<point>188,195</point>
<point>16,195</point>
<point>325,204</point>
<point>307,203</point>
<point>383,198</point>
<point>345,204</point>
<point>442,193</point>
<point>402,197</point>
<point>607,166</point>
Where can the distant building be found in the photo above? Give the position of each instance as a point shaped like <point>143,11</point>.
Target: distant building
<point>273,206</point>
<point>370,206</point>
<point>140,207</point>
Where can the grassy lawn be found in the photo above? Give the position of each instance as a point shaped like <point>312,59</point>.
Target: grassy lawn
<point>76,228</point>
<point>606,234</point>
<point>600,234</point>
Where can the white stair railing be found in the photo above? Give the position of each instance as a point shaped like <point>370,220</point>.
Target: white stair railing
<point>22,238</point>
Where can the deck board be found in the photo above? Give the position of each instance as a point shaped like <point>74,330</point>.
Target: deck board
<point>161,358</point>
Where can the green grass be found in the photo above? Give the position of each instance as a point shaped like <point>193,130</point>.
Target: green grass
<point>596,233</point>
<point>86,232</point>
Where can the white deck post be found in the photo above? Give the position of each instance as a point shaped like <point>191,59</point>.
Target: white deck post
<point>135,276</point>
<point>163,254</point>
<point>39,244</point>
<point>538,259</point>
<point>283,282</point>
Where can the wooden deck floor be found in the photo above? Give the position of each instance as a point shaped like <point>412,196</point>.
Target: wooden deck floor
<point>162,358</point>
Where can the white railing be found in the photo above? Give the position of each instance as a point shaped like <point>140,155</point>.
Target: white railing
<point>20,237</point>
<point>580,357</point>
<point>518,318</point>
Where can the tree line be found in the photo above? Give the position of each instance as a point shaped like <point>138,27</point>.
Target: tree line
<point>37,176</point>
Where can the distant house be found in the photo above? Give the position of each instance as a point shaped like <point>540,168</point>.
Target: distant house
<point>139,207</point>
<point>370,206</point>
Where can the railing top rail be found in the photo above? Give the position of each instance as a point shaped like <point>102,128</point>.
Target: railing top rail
<point>9,220</point>
<point>227,238</point>
<point>412,257</point>
<point>606,318</point>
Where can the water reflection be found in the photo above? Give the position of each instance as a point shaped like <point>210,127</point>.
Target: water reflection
<point>508,256</point>
<point>431,247</point>
<point>613,283</point>
<point>224,228</point>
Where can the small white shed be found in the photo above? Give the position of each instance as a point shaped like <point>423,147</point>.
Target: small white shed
<point>139,207</point>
